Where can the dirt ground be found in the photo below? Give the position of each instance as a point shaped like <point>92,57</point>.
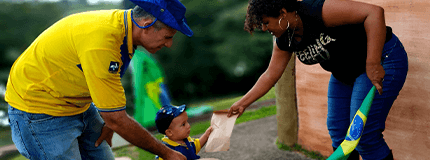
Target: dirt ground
<point>407,127</point>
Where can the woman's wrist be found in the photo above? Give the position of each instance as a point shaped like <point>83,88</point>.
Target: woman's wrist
<point>373,62</point>
<point>243,102</point>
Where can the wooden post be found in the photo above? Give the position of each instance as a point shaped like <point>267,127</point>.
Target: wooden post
<point>286,108</point>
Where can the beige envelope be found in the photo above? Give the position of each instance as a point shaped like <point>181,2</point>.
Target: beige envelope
<point>219,140</point>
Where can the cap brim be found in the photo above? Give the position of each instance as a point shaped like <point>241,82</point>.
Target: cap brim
<point>180,110</point>
<point>185,29</point>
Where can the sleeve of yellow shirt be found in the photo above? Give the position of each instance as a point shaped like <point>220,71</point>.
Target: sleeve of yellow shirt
<point>197,144</point>
<point>105,86</point>
<point>101,63</point>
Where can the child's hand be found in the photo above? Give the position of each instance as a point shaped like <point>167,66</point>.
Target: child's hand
<point>209,130</point>
<point>204,138</point>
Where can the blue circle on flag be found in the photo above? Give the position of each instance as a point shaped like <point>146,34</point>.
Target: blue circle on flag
<point>356,129</point>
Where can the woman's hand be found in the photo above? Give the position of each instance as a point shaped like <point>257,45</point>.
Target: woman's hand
<point>236,109</point>
<point>106,134</point>
<point>376,74</point>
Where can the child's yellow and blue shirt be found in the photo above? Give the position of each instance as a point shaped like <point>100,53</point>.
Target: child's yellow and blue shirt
<point>78,60</point>
<point>190,149</point>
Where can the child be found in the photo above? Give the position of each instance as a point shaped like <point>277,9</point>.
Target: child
<point>172,121</point>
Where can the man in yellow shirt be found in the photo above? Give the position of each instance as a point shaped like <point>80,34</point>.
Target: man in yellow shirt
<point>72,72</point>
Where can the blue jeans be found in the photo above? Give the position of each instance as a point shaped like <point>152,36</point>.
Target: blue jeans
<point>345,100</point>
<point>41,136</point>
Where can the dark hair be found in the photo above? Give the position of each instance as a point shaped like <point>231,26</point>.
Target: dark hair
<point>270,8</point>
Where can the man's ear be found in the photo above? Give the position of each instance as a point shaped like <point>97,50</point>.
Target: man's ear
<point>168,132</point>
<point>145,22</point>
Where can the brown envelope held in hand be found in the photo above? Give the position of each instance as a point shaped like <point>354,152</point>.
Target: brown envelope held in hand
<point>222,126</point>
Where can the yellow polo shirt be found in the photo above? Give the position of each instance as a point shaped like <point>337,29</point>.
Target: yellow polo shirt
<point>78,60</point>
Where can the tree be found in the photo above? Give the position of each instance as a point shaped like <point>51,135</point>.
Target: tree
<point>20,24</point>
<point>83,2</point>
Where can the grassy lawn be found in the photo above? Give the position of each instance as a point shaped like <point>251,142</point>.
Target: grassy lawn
<point>225,103</point>
<point>5,136</point>
<point>299,148</point>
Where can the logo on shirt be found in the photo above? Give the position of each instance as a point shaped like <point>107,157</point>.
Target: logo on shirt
<point>113,67</point>
<point>316,53</point>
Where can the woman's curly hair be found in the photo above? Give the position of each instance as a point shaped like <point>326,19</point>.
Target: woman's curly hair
<point>269,8</point>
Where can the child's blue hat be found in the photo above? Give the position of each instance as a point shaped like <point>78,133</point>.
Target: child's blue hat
<point>165,116</point>
<point>170,12</point>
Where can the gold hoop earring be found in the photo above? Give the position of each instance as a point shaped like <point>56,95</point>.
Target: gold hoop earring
<point>288,24</point>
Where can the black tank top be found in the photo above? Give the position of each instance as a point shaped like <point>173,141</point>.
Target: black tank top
<point>341,50</point>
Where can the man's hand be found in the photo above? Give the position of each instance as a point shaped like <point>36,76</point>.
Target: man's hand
<point>376,74</point>
<point>106,134</point>
<point>175,155</point>
<point>133,132</point>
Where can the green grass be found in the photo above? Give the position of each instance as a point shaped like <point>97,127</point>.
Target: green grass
<point>225,103</point>
<point>299,148</point>
<point>5,136</point>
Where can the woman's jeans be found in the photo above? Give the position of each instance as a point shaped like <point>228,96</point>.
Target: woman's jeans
<point>41,136</point>
<point>345,100</point>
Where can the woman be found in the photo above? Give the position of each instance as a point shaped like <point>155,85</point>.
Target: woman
<point>348,39</point>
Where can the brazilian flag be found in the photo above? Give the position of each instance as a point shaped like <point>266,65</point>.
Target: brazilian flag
<point>149,89</point>
<point>355,129</point>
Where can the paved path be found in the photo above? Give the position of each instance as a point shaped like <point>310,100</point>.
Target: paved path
<point>7,150</point>
<point>254,140</point>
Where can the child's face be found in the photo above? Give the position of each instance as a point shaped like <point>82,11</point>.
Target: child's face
<point>179,127</point>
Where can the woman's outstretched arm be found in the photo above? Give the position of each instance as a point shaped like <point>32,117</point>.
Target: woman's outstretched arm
<point>267,80</point>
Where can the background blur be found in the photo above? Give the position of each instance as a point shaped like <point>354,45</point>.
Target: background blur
<point>221,59</point>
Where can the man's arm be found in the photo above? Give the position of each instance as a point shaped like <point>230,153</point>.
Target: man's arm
<point>133,132</point>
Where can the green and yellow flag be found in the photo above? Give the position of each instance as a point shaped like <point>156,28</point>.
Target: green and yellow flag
<point>151,93</point>
<point>355,129</point>
<point>149,88</point>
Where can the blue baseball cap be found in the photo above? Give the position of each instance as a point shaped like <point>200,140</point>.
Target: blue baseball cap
<point>165,116</point>
<point>170,12</point>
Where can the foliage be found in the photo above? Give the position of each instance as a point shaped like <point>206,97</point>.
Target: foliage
<point>20,24</point>
<point>225,103</point>
<point>220,59</point>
